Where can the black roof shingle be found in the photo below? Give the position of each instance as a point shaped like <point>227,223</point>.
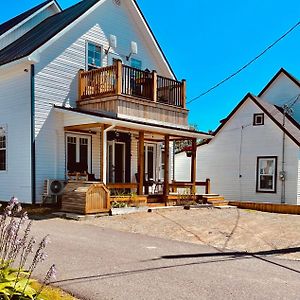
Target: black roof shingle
<point>18,19</point>
<point>43,32</point>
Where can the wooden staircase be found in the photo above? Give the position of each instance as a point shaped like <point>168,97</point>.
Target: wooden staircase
<point>214,199</point>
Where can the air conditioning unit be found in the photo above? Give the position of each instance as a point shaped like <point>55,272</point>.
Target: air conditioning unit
<point>55,187</point>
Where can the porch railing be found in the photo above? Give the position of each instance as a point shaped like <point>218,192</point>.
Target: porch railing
<point>120,79</point>
<point>98,82</point>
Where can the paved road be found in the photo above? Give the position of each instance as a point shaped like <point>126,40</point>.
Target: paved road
<point>96,263</point>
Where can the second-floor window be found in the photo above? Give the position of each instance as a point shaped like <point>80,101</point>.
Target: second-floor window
<point>93,56</point>
<point>2,149</point>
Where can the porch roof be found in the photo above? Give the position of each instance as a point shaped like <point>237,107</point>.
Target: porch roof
<point>88,120</point>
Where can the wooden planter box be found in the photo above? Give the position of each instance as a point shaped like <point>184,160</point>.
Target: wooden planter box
<point>85,198</point>
<point>130,200</point>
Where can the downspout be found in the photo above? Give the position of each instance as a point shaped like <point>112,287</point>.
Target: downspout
<point>33,162</point>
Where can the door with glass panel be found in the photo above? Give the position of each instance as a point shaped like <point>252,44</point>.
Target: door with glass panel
<point>116,162</point>
<point>150,161</point>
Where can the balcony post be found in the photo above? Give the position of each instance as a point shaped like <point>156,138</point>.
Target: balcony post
<point>154,85</point>
<point>183,93</point>
<point>166,169</point>
<point>119,77</point>
<point>80,84</point>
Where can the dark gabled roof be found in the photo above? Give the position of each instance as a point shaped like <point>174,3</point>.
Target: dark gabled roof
<point>18,19</point>
<point>291,128</point>
<point>43,32</point>
<point>281,71</point>
<point>47,29</point>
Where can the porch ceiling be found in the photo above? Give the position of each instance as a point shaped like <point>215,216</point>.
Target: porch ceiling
<point>75,119</point>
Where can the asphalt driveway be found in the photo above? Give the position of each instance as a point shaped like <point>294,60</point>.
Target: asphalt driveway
<point>98,263</point>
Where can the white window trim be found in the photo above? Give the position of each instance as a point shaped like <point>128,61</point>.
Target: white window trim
<point>262,119</point>
<point>78,136</point>
<point>87,42</point>
<point>258,175</point>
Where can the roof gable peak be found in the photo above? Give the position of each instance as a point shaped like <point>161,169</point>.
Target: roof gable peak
<point>284,72</point>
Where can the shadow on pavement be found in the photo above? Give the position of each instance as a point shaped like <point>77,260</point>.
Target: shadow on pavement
<point>227,256</point>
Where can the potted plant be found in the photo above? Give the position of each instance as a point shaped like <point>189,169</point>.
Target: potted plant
<point>188,150</point>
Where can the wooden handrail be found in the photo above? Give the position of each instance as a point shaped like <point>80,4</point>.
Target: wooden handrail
<point>98,82</point>
<point>128,185</point>
<point>188,184</point>
<point>121,79</point>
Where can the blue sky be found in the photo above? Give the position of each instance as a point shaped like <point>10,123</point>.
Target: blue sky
<point>206,40</point>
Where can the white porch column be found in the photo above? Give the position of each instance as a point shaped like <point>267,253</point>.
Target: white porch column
<point>104,149</point>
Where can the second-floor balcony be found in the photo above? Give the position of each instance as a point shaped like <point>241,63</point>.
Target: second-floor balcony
<point>131,92</point>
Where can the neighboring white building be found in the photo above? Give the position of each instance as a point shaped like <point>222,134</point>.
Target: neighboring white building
<point>254,154</point>
<point>52,125</point>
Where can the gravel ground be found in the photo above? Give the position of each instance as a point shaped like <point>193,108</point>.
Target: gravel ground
<point>232,229</point>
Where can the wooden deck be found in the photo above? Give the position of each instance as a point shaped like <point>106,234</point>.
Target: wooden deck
<point>88,197</point>
<point>132,92</point>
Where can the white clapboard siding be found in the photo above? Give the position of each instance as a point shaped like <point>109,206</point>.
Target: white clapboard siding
<point>31,22</point>
<point>225,158</point>
<point>15,115</point>
<point>56,78</point>
<point>298,186</point>
<point>284,91</point>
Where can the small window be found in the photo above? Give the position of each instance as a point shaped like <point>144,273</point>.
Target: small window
<point>137,64</point>
<point>266,174</point>
<point>2,149</point>
<point>93,56</point>
<point>258,119</point>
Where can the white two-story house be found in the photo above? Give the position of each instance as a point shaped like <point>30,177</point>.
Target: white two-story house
<point>86,90</point>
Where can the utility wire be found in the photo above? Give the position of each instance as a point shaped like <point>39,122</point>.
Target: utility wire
<point>246,65</point>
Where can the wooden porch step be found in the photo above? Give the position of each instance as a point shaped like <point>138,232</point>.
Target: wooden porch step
<point>215,200</point>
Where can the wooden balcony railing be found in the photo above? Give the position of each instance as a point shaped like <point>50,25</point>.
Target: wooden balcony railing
<point>98,82</point>
<point>124,80</point>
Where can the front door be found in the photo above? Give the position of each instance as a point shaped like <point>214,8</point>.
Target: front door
<point>150,161</point>
<point>116,162</point>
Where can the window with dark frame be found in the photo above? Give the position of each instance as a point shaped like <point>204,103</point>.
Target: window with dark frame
<point>2,149</point>
<point>93,56</point>
<point>266,174</point>
<point>258,119</point>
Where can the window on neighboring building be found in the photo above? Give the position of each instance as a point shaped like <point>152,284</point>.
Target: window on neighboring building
<point>2,149</point>
<point>93,56</point>
<point>135,63</point>
<point>266,174</point>
<point>258,119</point>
